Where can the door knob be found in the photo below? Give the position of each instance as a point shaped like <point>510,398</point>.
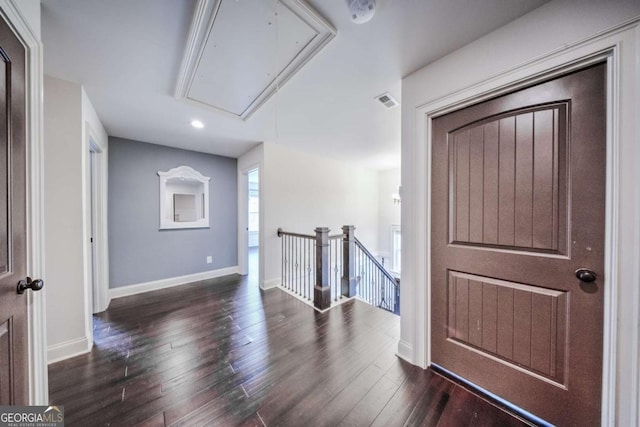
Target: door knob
<point>34,285</point>
<point>586,275</point>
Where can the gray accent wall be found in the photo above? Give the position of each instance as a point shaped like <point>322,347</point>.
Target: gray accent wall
<point>139,251</point>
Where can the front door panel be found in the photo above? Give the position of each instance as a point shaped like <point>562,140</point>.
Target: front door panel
<point>517,206</point>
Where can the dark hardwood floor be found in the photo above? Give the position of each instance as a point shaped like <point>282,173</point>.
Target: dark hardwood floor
<point>222,352</point>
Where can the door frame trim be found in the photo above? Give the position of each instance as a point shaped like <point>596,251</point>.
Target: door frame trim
<point>243,220</point>
<point>98,292</point>
<point>620,46</point>
<point>38,375</point>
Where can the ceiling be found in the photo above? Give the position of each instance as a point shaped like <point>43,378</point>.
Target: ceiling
<point>242,52</point>
<point>128,54</point>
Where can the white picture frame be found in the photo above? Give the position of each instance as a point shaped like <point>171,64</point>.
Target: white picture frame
<point>183,183</point>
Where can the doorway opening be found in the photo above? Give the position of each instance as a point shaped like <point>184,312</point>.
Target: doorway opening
<point>97,233</point>
<point>253,224</point>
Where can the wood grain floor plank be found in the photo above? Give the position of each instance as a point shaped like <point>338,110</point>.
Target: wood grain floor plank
<point>402,403</point>
<point>223,352</point>
<point>369,407</point>
<point>429,407</point>
<point>459,409</point>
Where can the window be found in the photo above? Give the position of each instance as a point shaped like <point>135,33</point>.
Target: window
<point>253,225</point>
<point>396,247</point>
<point>254,207</point>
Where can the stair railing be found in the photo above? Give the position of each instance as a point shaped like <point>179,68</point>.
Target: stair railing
<point>335,266</point>
<point>330,267</point>
<point>298,263</point>
<point>376,285</point>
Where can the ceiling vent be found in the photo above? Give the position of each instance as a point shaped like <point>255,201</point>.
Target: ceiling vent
<point>387,100</point>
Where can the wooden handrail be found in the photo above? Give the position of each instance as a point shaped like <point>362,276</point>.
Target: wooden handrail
<point>376,263</point>
<point>281,233</point>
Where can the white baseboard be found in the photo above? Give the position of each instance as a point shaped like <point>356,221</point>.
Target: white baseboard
<point>67,349</point>
<point>310,302</point>
<point>405,351</point>
<point>169,282</point>
<point>271,283</point>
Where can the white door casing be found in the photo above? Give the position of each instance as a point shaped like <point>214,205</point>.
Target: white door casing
<point>243,220</point>
<point>38,377</point>
<point>620,46</point>
<point>97,201</point>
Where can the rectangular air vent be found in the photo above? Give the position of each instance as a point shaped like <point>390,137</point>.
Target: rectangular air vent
<point>387,100</point>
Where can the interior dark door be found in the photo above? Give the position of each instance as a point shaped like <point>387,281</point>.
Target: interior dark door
<point>518,206</point>
<point>13,251</point>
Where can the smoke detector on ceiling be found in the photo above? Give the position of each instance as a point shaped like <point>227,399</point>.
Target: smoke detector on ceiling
<point>361,10</point>
<point>387,100</point>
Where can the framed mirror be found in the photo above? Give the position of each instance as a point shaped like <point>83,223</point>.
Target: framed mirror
<point>184,198</point>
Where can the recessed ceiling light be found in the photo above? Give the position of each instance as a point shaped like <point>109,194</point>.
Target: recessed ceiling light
<point>197,124</point>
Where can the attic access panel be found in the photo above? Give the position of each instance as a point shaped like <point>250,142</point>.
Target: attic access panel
<point>230,58</point>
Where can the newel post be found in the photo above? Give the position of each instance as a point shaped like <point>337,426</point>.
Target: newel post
<point>322,291</point>
<point>349,281</point>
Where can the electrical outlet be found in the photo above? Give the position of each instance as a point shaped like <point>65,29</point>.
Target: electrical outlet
<point>209,259</point>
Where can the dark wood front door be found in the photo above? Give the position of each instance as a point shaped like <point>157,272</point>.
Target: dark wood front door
<point>518,205</point>
<point>13,243</point>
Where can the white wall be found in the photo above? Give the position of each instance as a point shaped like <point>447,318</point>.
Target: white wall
<point>549,29</point>
<point>388,213</point>
<point>64,233</point>
<point>30,9</point>
<point>91,122</point>
<point>68,116</point>
<point>300,192</point>
<point>543,30</point>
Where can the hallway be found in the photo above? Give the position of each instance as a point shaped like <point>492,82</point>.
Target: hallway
<point>222,352</point>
